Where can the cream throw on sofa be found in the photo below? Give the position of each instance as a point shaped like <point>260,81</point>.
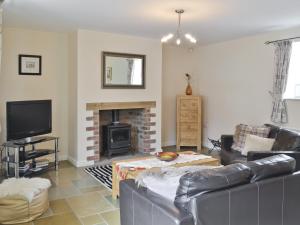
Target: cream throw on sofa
<point>165,181</point>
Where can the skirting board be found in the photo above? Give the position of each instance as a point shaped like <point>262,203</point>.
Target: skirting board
<point>62,157</point>
<point>80,163</point>
<point>168,143</point>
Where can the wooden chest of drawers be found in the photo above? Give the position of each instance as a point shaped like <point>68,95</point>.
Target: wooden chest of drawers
<point>188,121</point>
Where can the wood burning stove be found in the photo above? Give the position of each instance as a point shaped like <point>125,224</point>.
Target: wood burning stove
<point>116,136</point>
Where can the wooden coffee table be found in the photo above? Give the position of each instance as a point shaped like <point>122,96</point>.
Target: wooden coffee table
<point>133,174</point>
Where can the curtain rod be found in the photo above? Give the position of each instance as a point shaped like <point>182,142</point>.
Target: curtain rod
<point>270,42</point>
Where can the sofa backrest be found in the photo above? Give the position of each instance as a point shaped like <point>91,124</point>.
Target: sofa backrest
<point>274,201</point>
<point>273,166</point>
<point>273,130</point>
<point>287,140</point>
<point>210,180</point>
<point>203,181</point>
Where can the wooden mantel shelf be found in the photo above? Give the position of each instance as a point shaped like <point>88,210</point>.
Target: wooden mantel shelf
<point>120,105</point>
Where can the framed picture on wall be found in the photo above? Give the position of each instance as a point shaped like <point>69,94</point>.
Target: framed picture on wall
<point>30,65</point>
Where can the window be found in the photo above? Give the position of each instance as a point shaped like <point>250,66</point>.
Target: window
<point>293,82</point>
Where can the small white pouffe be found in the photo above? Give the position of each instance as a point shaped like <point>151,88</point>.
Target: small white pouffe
<point>22,200</point>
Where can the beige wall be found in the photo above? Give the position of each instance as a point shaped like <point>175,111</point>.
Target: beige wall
<point>53,83</point>
<point>72,77</point>
<point>90,44</point>
<point>176,63</point>
<point>72,93</point>
<point>234,78</point>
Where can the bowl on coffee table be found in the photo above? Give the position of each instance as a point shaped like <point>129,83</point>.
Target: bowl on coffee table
<point>166,156</point>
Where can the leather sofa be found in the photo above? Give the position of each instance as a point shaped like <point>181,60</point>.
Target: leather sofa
<point>287,142</point>
<point>264,192</point>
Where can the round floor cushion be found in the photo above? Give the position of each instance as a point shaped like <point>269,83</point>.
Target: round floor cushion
<point>22,200</point>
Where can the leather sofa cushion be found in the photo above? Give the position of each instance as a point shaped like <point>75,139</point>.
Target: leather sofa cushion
<point>196,183</point>
<point>271,167</point>
<point>287,140</point>
<point>273,130</point>
<point>232,156</point>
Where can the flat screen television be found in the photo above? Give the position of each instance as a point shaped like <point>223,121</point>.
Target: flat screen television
<point>28,118</point>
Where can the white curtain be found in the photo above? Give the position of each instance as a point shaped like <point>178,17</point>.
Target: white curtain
<point>283,50</point>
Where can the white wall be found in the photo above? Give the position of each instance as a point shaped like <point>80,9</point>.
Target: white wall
<point>234,78</point>
<point>53,83</point>
<point>90,44</point>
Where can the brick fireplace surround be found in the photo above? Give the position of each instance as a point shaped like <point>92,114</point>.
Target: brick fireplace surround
<point>138,114</point>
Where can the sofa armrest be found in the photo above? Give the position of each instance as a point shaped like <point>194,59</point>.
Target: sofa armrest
<point>226,142</point>
<point>255,155</point>
<point>139,206</point>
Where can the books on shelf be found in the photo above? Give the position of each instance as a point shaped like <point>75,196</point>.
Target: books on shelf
<point>24,168</point>
<point>36,169</point>
<point>41,163</point>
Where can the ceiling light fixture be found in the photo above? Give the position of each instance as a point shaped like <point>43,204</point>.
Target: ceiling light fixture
<point>178,35</point>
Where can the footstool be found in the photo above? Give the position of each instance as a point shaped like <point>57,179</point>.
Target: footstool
<point>22,200</point>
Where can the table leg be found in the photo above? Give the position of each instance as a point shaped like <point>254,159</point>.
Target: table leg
<point>17,162</point>
<point>7,160</point>
<point>1,161</point>
<point>199,149</point>
<point>115,182</point>
<point>56,154</point>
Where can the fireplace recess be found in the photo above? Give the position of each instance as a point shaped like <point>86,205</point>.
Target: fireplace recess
<point>116,136</point>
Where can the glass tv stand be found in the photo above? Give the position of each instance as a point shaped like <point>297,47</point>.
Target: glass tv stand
<point>20,158</point>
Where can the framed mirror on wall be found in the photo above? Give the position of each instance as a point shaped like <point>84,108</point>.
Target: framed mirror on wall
<point>122,70</point>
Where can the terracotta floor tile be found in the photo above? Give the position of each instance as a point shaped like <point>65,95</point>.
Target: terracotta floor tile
<point>112,217</point>
<point>65,164</point>
<point>61,219</point>
<point>92,220</point>
<point>55,193</point>
<point>105,192</point>
<point>63,192</point>
<point>114,202</point>
<point>86,182</point>
<point>62,183</point>
<point>65,174</point>
<point>60,206</point>
<point>92,189</point>
<point>70,191</point>
<point>47,213</point>
<point>89,204</point>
